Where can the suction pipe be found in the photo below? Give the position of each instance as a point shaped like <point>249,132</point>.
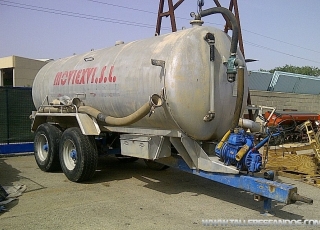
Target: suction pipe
<point>231,66</point>
<point>240,93</point>
<point>155,101</point>
<point>233,21</point>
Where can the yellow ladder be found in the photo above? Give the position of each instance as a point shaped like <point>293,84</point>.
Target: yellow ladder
<point>313,140</point>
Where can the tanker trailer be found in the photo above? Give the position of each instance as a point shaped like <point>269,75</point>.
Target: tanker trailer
<point>168,99</point>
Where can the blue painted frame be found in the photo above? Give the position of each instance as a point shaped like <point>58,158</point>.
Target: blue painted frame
<point>267,189</point>
<point>16,148</point>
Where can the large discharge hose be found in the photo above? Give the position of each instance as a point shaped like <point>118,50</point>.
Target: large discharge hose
<point>240,92</point>
<point>233,21</point>
<point>155,101</point>
<point>232,62</point>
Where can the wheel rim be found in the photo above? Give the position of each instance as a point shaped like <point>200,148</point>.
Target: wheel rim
<point>42,147</point>
<point>69,155</point>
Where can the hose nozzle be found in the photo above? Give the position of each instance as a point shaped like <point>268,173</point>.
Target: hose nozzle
<point>231,77</point>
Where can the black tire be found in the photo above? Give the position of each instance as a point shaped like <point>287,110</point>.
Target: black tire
<point>155,165</point>
<point>46,147</point>
<point>126,159</point>
<point>78,155</point>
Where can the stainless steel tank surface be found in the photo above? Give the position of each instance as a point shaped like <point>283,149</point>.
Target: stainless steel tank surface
<point>120,79</point>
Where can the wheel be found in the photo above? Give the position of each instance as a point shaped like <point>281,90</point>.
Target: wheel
<point>46,147</point>
<point>155,165</point>
<point>78,155</point>
<point>126,159</point>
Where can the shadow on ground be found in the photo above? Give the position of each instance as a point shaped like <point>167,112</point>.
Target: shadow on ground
<point>173,181</point>
<point>8,175</point>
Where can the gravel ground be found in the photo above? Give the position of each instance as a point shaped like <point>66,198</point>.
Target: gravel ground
<point>131,196</point>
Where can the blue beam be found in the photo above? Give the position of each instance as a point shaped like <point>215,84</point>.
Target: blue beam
<point>260,186</point>
<point>16,148</point>
<point>256,185</point>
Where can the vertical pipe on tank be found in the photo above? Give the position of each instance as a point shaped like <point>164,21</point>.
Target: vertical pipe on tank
<point>211,113</point>
<point>211,88</point>
<point>211,40</point>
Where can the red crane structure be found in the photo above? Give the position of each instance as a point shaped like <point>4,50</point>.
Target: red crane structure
<point>233,6</point>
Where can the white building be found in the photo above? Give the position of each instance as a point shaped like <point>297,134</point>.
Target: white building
<point>19,71</point>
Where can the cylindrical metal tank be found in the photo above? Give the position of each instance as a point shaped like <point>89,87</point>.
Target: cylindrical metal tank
<point>120,79</point>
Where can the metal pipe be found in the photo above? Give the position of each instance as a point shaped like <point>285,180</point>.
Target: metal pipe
<point>49,110</point>
<point>249,124</point>
<point>212,89</point>
<point>211,114</point>
<point>297,197</point>
<point>265,140</point>
<point>155,101</point>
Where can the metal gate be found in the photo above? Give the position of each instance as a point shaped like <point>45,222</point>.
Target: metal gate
<point>16,105</point>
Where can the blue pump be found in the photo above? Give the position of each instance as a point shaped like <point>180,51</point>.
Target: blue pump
<point>252,160</point>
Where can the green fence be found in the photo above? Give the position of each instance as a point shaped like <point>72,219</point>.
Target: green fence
<point>16,105</point>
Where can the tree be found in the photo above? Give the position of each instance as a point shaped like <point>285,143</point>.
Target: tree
<point>304,70</point>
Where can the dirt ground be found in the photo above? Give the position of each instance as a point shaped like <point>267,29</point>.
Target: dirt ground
<point>131,196</point>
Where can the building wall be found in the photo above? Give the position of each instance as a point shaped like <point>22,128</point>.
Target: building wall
<point>280,100</point>
<point>25,70</point>
<point>6,62</point>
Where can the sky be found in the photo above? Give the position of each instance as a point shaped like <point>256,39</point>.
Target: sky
<point>275,32</point>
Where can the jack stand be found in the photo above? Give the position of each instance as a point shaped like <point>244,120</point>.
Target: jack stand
<point>267,208</point>
<point>269,175</point>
